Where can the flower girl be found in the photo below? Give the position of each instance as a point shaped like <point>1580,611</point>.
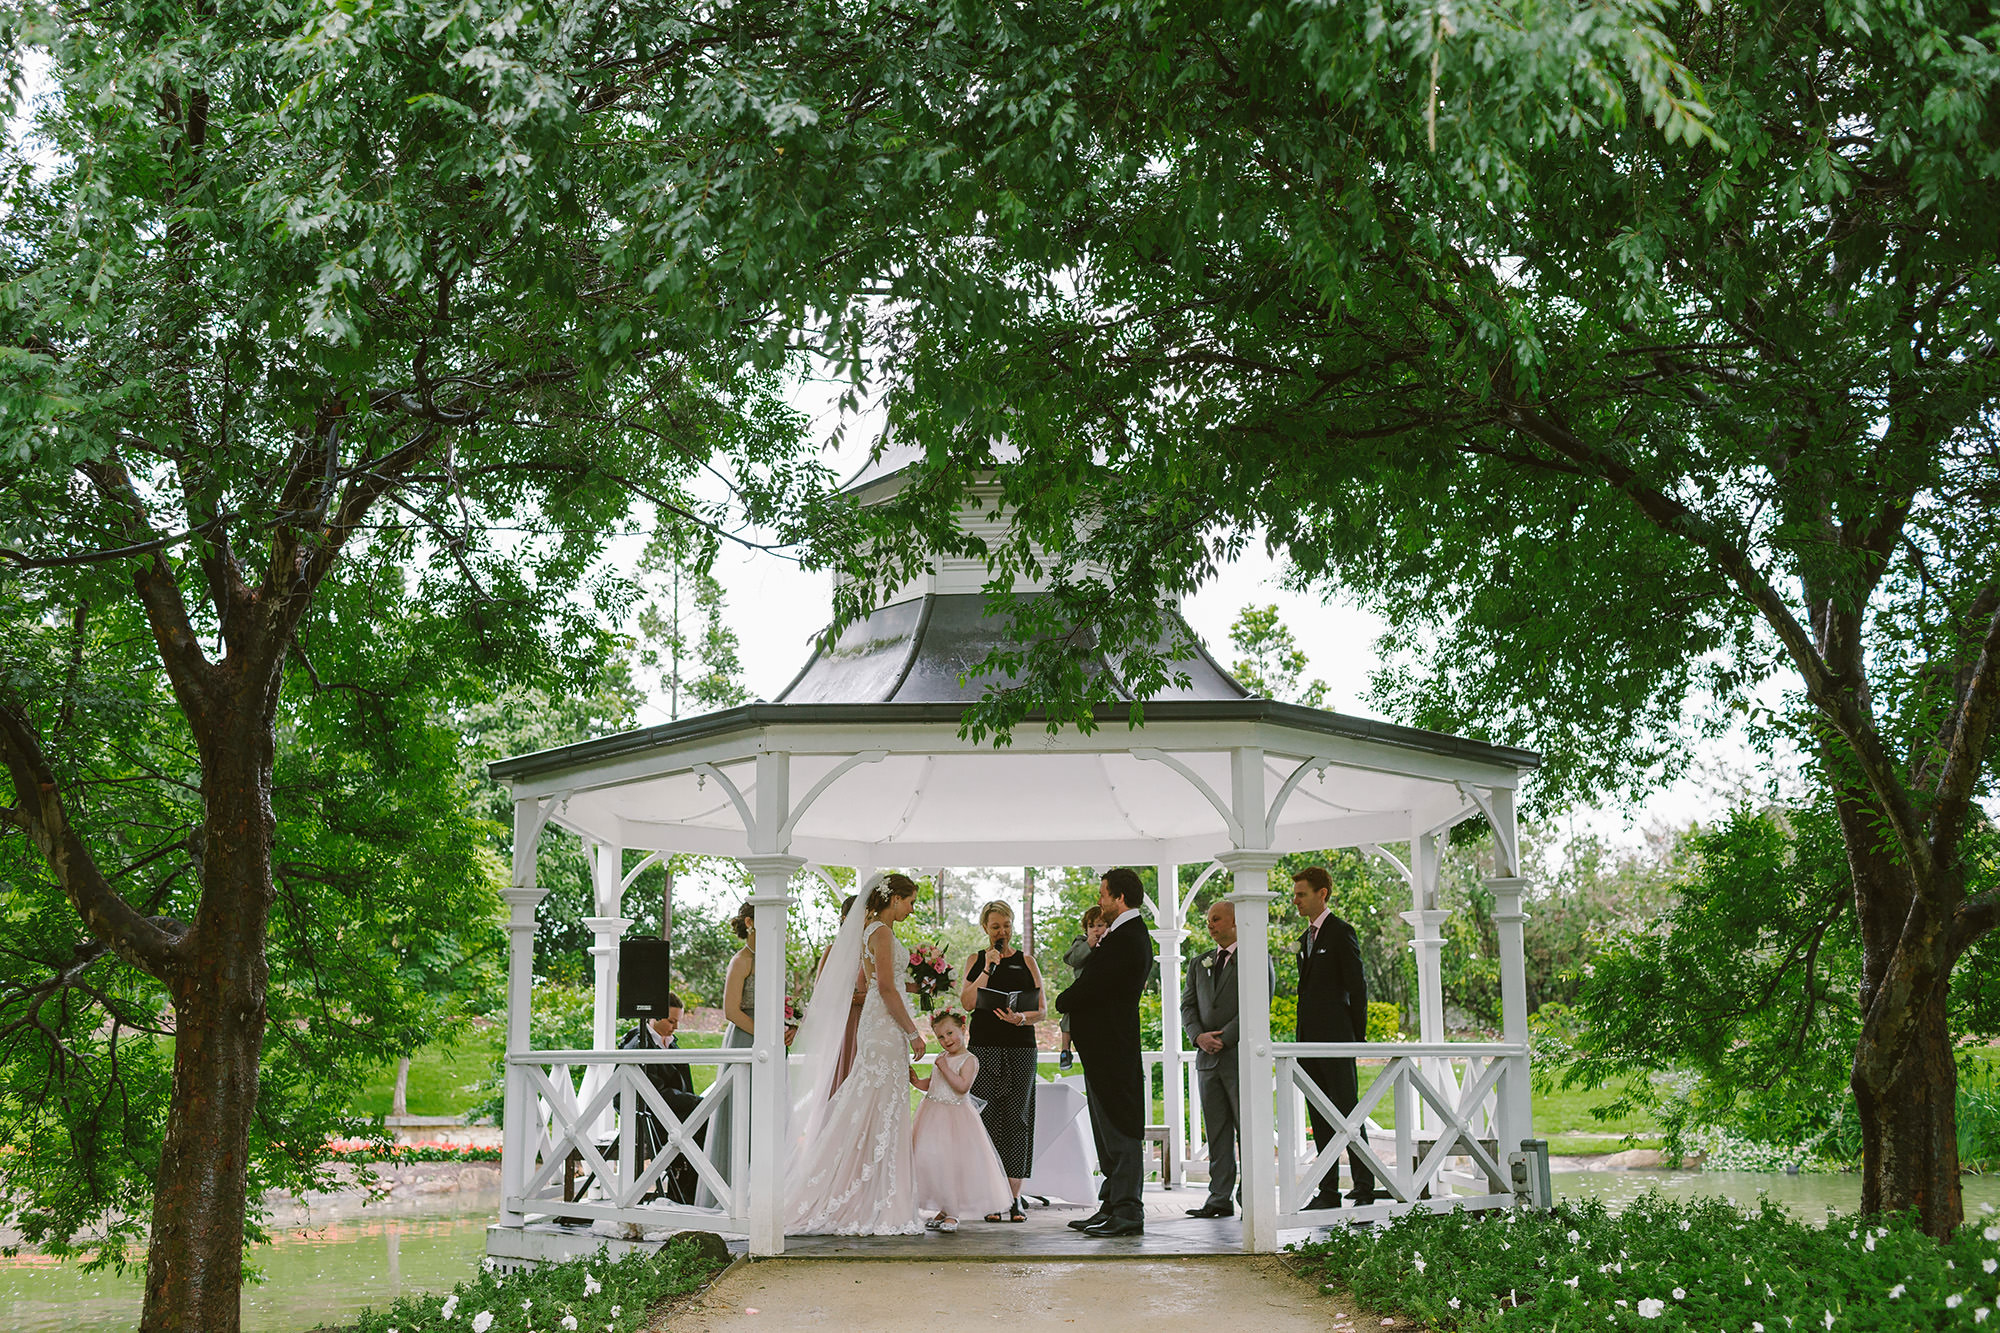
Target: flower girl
<point>957,1171</point>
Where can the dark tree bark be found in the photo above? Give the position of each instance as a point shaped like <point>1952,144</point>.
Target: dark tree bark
<point>194,1263</point>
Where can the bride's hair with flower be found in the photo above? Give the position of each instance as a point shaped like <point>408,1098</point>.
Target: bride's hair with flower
<point>892,886</point>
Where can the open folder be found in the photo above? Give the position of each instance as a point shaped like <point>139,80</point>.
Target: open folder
<point>1020,1001</point>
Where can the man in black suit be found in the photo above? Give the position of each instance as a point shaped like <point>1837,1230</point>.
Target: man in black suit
<point>1333,1006</point>
<point>675,1085</point>
<point>1103,1008</point>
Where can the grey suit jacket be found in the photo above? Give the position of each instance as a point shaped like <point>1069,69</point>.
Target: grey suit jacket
<point>1208,1004</point>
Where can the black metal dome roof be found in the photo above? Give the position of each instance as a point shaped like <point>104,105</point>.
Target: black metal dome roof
<point>917,651</point>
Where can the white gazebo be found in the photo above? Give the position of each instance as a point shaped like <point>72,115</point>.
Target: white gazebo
<point>859,763</point>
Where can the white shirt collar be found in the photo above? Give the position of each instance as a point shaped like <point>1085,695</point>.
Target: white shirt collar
<point>1124,916</point>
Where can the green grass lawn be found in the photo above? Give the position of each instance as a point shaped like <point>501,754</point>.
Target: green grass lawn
<point>442,1078</point>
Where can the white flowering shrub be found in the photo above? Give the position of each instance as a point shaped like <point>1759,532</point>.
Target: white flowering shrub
<point>1660,1265</point>
<point>590,1295</point>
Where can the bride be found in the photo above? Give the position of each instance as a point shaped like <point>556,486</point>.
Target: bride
<point>849,1164</point>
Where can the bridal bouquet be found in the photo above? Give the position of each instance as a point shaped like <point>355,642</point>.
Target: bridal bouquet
<point>930,974</point>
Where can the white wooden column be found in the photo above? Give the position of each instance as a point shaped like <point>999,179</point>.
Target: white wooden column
<point>522,895</point>
<point>1173,1085</point>
<point>1250,863</point>
<point>607,928</point>
<point>1516,1108</point>
<point>1427,942</point>
<point>1427,935</point>
<point>770,1088</point>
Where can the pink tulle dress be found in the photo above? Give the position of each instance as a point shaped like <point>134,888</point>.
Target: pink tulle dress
<point>958,1173</point>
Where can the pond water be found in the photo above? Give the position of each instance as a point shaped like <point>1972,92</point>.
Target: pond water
<point>323,1274</point>
<point>1808,1196</point>
<point>313,1275</point>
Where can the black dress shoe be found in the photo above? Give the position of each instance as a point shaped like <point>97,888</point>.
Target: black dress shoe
<point>1115,1226</point>
<point>1324,1201</point>
<point>1080,1223</point>
<point>1212,1210</point>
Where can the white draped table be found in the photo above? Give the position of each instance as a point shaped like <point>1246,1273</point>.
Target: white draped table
<point>1065,1156</point>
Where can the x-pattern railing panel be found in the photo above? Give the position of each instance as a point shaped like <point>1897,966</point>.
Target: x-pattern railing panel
<point>1421,1078</point>
<point>564,1123</point>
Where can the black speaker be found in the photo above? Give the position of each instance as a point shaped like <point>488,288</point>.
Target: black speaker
<point>645,976</point>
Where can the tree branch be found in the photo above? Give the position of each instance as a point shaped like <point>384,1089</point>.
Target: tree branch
<point>189,671</point>
<point>1966,750</point>
<point>148,943</point>
<point>1835,693</point>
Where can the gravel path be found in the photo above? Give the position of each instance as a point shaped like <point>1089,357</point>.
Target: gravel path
<point>1103,1295</point>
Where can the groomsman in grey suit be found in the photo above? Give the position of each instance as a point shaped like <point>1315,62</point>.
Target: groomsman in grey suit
<point>1208,1017</point>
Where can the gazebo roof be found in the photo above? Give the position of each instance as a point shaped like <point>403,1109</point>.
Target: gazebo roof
<point>863,764</point>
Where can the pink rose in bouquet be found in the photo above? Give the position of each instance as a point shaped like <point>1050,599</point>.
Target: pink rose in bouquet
<point>930,974</point>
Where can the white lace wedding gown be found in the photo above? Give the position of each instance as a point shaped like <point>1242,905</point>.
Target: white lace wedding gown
<point>855,1178</point>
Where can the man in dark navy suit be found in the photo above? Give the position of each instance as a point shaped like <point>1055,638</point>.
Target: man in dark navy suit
<point>1103,1008</point>
<point>1333,1006</point>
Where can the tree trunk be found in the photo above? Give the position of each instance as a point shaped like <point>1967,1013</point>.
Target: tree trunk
<point>194,1265</point>
<point>1909,1125</point>
<point>399,1100</point>
<point>1907,1099</point>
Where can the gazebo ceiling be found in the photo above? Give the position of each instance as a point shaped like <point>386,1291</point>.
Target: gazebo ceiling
<point>919,795</point>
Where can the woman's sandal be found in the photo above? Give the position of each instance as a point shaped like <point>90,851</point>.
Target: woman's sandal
<point>1015,1213</point>
<point>996,1217</point>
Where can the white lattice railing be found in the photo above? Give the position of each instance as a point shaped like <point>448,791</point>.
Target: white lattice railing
<point>1445,1098</point>
<point>581,1138</point>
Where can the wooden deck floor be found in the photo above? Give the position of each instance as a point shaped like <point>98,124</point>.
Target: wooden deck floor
<point>1170,1232</point>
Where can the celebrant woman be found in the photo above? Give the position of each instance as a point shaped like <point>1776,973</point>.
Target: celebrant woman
<point>849,1163</point>
<point>1004,1041</point>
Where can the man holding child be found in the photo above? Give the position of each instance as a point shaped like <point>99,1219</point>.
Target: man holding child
<point>1103,1007</point>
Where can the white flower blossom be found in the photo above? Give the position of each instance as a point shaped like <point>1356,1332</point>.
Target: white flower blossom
<point>1420,1264</point>
<point>1453,1302</point>
<point>1896,1292</point>
<point>1991,1233</point>
<point>450,1310</point>
<point>568,1322</point>
<point>1978,1316</point>
<point>1680,1293</point>
<point>1570,1282</point>
<point>591,1286</point>
<point>1829,1319</point>
<point>1990,1265</point>
<point>1869,1244</point>
<point>1686,1225</point>
<point>1756,1327</point>
<point>1574,1236</point>
<point>1953,1301</point>
<point>482,1321</point>
<point>1650,1308</point>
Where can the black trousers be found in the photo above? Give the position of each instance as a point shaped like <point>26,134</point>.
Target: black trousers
<point>1339,1081</point>
<point>1116,1089</point>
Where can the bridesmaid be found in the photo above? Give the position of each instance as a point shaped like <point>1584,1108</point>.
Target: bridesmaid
<point>739,1006</point>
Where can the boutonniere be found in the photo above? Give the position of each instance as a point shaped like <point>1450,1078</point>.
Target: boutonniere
<point>1215,960</point>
